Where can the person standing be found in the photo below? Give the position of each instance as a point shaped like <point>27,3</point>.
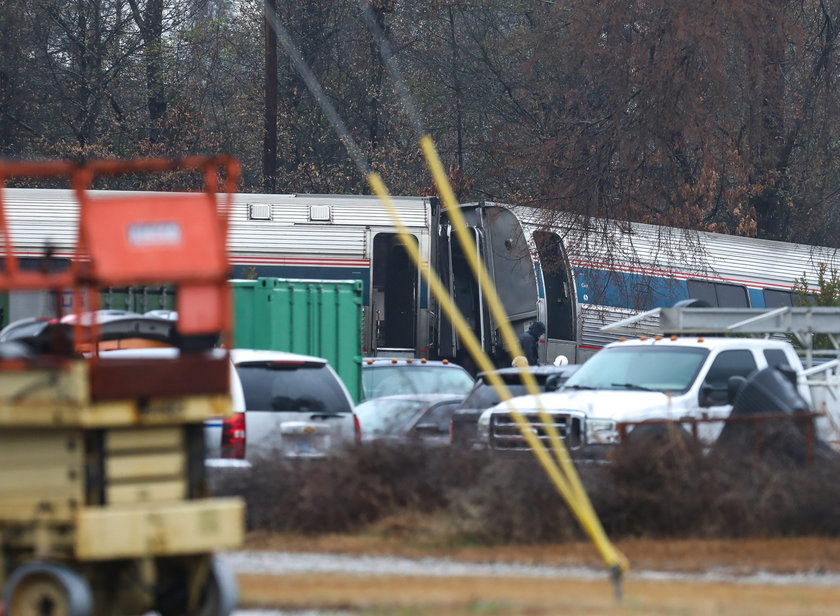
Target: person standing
<point>529,341</point>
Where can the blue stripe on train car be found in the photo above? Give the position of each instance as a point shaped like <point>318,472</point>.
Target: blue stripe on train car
<point>627,290</point>
<point>756,298</point>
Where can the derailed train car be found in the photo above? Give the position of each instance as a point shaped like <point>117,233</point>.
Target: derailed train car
<point>329,237</point>
<point>573,274</point>
<point>620,270</point>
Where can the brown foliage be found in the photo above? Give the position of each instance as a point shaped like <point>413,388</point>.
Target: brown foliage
<point>670,490</point>
<point>720,116</point>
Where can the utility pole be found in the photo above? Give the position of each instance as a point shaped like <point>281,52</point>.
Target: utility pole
<point>270,124</point>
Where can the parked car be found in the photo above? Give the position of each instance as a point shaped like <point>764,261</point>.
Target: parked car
<point>116,329</point>
<point>416,418</point>
<point>382,376</point>
<point>464,428</point>
<point>295,406</point>
<point>652,379</point>
<point>284,405</point>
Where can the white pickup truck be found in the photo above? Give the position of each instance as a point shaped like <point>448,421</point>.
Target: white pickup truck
<point>659,377</point>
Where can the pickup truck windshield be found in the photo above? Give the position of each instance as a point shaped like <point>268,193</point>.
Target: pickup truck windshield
<point>389,380</point>
<point>666,369</point>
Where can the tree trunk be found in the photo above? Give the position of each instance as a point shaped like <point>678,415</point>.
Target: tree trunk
<point>270,125</point>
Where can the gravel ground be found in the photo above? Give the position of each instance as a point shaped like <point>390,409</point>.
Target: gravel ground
<point>289,613</point>
<point>286,563</point>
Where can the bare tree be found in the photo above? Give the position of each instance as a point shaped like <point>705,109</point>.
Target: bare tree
<point>270,147</point>
<point>149,20</point>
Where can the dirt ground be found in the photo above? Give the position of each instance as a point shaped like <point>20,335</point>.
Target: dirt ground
<point>539,596</point>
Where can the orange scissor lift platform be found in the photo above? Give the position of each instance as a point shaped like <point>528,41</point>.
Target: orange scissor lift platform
<point>104,508</point>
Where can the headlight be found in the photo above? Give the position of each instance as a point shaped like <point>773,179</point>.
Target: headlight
<point>484,426</point>
<point>601,431</point>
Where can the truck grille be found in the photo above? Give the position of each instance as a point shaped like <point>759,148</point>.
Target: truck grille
<point>506,436</point>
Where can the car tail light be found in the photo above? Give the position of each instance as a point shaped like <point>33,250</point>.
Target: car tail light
<point>233,436</point>
<point>357,429</point>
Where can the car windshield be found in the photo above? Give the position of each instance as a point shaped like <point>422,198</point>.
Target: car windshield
<point>666,369</point>
<point>387,416</point>
<point>484,395</point>
<point>291,387</point>
<point>389,380</point>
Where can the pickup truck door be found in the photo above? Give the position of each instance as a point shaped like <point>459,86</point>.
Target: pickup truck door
<point>713,398</point>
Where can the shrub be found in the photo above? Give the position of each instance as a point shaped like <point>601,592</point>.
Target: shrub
<point>672,490</point>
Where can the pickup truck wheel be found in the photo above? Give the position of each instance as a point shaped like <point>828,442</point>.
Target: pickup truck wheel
<point>47,589</point>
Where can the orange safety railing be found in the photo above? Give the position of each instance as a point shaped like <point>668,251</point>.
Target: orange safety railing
<point>177,238</point>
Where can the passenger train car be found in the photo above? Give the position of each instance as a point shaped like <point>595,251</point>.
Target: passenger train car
<point>623,269</point>
<point>574,275</point>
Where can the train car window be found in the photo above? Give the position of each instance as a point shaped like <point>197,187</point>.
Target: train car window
<point>774,298</point>
<point>731,295</point>
<point>718,294</point>
<point>705,291</point>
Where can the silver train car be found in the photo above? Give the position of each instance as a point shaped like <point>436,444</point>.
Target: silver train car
<point>576,275</point>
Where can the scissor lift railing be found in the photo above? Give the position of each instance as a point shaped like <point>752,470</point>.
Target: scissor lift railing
<point>103,505</point>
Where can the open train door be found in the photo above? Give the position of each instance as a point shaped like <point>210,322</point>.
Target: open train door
<point>510,264</point>
<point>560,299</point>
<point>503,248</point>
<point>394,298</point>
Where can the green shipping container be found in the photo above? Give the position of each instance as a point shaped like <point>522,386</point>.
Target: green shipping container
<point>139,299</point>
<point>311,317</point>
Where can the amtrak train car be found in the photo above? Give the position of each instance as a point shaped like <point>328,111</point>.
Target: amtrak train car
<point>622,269</point>
<point>313,237</point>
<point>573,274</point>
<point>332,237</point>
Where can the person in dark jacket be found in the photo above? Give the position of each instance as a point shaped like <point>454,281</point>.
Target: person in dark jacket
<point>529,341</point>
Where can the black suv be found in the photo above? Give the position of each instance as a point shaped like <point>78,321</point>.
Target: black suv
<point>463,429</point>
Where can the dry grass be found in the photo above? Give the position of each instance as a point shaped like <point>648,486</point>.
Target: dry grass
<point>669,508</point>
<point>400,596</point>
<point>780,555</point>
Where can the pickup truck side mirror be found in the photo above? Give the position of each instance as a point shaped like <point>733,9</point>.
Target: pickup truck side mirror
<point>705,397</point>
<point>733,387</point>
<point>711,395</point>
<point>553,383</point>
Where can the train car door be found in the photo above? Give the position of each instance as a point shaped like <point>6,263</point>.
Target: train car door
<point>503,248</point>
<point>394,298</point>
<point>560,300</point>
<point>510,264</point>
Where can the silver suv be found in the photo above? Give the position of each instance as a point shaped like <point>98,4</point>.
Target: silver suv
<point>293,406</point>
<point>284,404</point>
